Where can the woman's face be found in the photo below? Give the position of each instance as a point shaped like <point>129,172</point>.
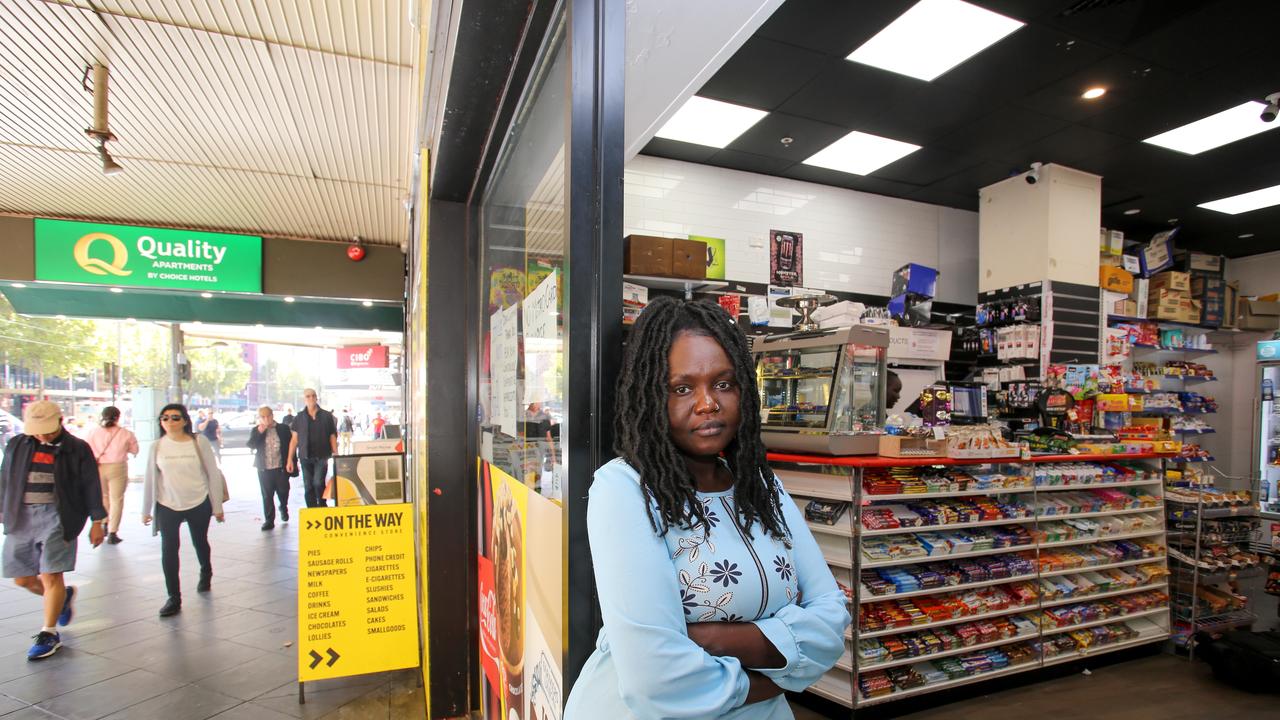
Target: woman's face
<point>265,417</point>
<point>703,396</point>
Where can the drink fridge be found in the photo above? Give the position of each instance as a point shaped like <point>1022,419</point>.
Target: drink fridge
<point>1266,426</point>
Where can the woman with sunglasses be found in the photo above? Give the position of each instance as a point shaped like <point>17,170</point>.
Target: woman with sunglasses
<point>183,484</point>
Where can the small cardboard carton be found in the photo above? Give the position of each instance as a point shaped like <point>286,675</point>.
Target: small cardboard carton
<point>1115,279</point>
<point>647,255</point>
<point>689,259</point>
<point>1257,315</point>
<point>1171,280</point>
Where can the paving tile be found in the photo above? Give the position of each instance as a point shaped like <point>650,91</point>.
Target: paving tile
<point>254,677</point>
<point>109,696</point>
<point>67,671</point>
<point>214,657</point>
<point>322,703</point>
<point>30,713</point>
<point>185,703</point>
<point>253,711</point>
<point>108,638</point>
<point>8,705</point>
<point>281,638</point>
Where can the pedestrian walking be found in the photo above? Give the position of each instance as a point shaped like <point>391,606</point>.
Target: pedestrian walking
<point>182,484</point>
<point>270,442</point>
<point>112,445</point>
<point>315,438</point>
<point>49,489</point>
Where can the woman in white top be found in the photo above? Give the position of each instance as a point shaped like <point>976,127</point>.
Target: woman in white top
<point>182,483</point>
<point>112,445</point>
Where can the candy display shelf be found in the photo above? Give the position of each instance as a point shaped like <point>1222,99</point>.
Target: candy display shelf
<point>1010,625</point>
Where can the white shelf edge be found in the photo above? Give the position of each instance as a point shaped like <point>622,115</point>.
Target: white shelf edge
<point>949,653</point>
<point>1081,655</point>
<point>1108,566</point>
<point>1100,596</point>
<point>899,694</point>
<point>946,588</point>
<point>843,530</point>
<point>948,621</point>
<point>1005,521</point>
<point>818,689</point>
<point>670,283</point>
<point>1003,491</point>
<point>870,564</point>
<point>1045,632</point>
<point>1103,538</point>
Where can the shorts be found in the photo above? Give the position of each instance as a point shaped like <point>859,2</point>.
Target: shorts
<point>35,544</point>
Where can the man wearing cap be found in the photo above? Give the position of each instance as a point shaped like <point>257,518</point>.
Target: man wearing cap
<point>49,488</point>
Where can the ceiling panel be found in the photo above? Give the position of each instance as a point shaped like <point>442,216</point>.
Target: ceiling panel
<point>282,117</point>
<point>1164,62</point>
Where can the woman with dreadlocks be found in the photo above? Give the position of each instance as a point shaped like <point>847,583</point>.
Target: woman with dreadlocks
<point>714,594</point>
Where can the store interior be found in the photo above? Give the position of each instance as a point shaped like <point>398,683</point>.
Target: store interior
<point>1015,305</point>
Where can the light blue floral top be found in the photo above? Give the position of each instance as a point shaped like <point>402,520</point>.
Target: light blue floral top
<point>651,586</point>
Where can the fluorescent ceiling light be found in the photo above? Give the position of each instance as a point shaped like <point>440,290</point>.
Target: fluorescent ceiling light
<point>710,122</point>
<point>1217,130</point>
<point>860,153</point>
<point>1236,204</point>
<point>933,37</point>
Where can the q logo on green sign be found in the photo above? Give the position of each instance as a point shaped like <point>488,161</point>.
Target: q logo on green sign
<point>101,267</point>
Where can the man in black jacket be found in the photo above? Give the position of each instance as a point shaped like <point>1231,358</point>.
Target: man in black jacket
<point>49,488</point>
<point>315,438</point>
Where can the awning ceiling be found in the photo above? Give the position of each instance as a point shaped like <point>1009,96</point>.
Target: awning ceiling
<point>173,306</point>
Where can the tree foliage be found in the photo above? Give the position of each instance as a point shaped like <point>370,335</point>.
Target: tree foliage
<point>52,347</point>
<point>218,371</point>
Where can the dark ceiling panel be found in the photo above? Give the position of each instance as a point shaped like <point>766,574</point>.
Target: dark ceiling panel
<point>764,73</point>
<point>1165,63</point>
<point>749,162</point>
<point>1001,131</point>
<point>807,136</point>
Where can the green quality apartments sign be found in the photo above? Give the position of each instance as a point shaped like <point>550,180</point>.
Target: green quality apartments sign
<point>130,256</point>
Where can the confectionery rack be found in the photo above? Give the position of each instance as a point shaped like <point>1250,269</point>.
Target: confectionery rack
<point>960,571</point>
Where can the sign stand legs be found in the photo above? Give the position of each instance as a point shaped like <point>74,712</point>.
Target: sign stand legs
<point>302,695</point>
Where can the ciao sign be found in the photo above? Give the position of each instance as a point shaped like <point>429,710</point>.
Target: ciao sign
<point>363,356</point>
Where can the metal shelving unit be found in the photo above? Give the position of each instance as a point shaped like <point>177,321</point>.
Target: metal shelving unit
<point>842,546</point>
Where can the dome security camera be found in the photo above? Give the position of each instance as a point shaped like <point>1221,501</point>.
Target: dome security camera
<point>1272,109</point>
<point>1033,177</point>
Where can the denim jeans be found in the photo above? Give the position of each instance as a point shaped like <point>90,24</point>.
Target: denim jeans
<point>314,472</point>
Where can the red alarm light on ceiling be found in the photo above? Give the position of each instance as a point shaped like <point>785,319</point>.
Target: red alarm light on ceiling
<point>355,251</point>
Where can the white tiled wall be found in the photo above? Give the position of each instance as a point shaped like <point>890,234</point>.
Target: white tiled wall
<point>853,241</point>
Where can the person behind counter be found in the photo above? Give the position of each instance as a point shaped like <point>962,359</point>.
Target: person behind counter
<point>714,594</point>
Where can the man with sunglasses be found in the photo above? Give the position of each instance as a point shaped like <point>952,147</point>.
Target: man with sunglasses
<point>49,488</point>
<point>315,438</point>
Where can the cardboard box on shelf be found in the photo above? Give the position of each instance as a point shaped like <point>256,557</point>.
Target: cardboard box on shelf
<point>907,446</point>
<point>1141,286</point>
<point>647,255</point>
<point>1131,263</point>
<point>1230,302</point>
<point>633,294</point>
<point>913,279</point>
<point>1114,261</point>
<point>1171,280</point>
<point>1184,310</point>
<point>689,259</point>
<point>1125,307</point>
<point>1206,287</point>
<point>1212,312</point>
<point>1203,263</point>
<point>1115,279</point>
<point>1166,296</point>
<point>1257,315</point>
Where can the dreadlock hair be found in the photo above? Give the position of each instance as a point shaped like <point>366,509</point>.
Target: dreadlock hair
<point>642,427</point>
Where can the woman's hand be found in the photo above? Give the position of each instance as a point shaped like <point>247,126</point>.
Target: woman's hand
<point>742,640</point>
<point>146,519</point>
<point>220,517</point>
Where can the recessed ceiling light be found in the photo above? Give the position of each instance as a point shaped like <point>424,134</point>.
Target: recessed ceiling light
<point>860,153</point>
<point>1216,130</point>
<point>1133,211</point>
<point>319,328</point>
<point>1173,221</point>
<point>1094,93</point>
<point>60,317</point>
<point>131,320</point>
<point>1245,236</point>
<point>1236,204</point>
<point>116,290</point>
<point>289,299</point>
<point>259,325</point>
<point>18,285</point>
<point>709,122</point>
<point>367,303</point>
<point>933,37</point>
<point>206,295</point>
<point>197,322</point>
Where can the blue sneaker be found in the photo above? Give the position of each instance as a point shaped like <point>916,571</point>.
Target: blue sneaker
<point>47,643</point>
<point>68,612</point>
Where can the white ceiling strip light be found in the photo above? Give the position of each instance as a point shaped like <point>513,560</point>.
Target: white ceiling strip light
<point>860,153</point>
<point>710,122</point>
<point>1236,204</point>
<point>1216,130</point>
<point>933,37</point>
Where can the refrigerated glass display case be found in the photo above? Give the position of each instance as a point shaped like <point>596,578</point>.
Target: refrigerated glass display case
<point>1266,439</point>
<point>823,392</point>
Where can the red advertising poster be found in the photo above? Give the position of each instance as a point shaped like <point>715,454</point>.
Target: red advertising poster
<point>786,258</point>
<point>362,356</point>
<point>488,622</point>
<point>732,304</point>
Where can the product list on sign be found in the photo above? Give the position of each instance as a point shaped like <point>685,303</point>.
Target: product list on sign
<point>334,568</point>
